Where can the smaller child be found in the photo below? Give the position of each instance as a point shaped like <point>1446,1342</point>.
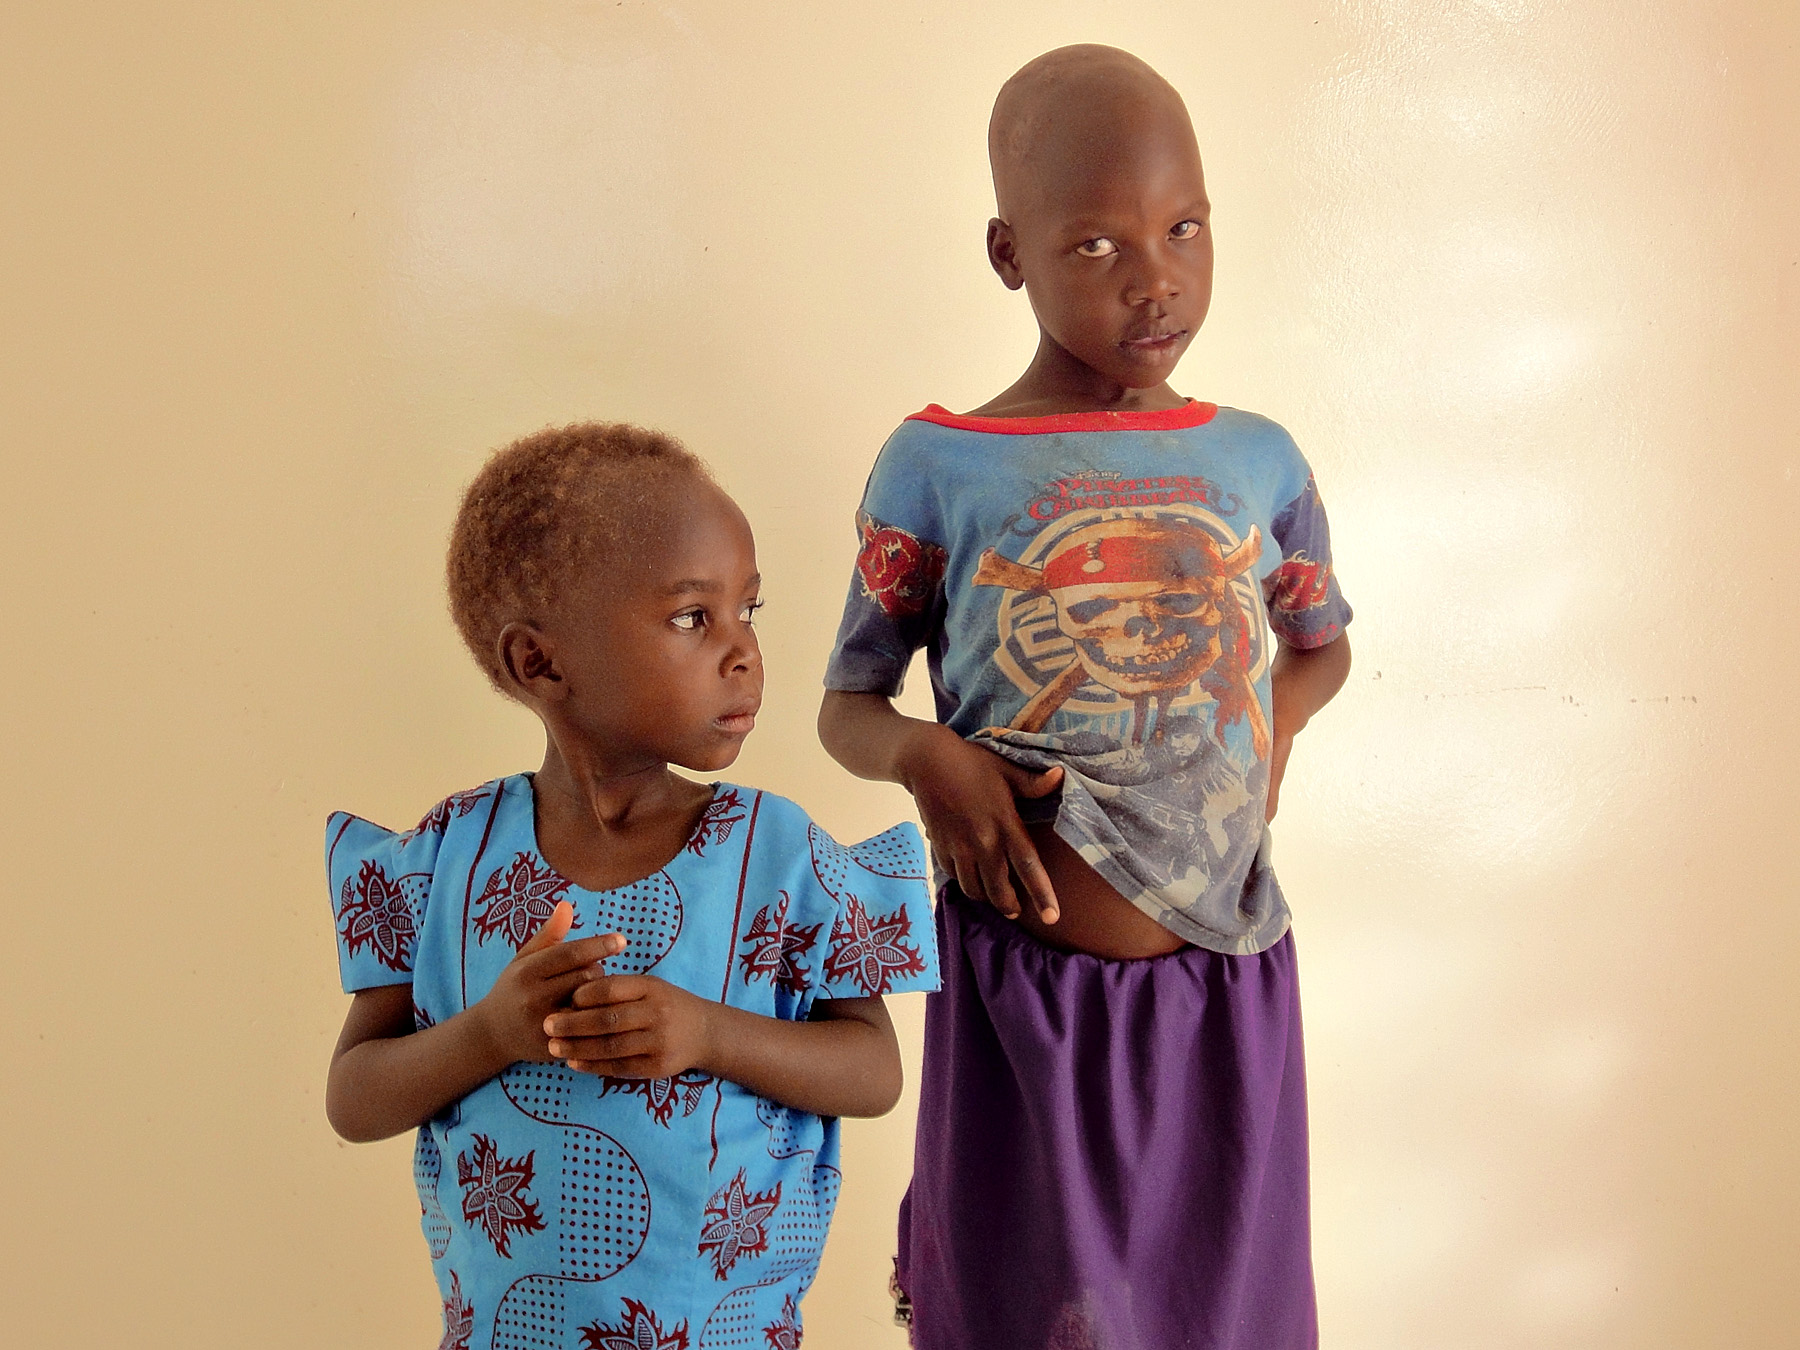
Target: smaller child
<point>622,1008</point>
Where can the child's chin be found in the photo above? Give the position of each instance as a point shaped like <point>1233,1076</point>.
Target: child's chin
<point>713,758</point>
<point>1150,369</point>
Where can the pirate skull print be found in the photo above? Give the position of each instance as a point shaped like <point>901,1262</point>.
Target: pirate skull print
<point>1148,607</point>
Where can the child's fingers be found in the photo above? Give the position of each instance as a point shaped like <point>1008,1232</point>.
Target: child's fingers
<point>559,989</point>
<point>968,875</point>
<point>1031,782</point>
<point>591,1049</point>
<point>997,882</point>
<point>552,930</point>
<point>639,1066</point>
<point>576,955</point>
<point>612,989</point>
<point>1029,868</point>
<point>610,1020</point>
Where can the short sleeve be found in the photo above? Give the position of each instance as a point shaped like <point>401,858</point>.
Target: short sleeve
<point>1306,607</point>
<point>896,600</point>
<point>881,936</point>
<point>380,882</point>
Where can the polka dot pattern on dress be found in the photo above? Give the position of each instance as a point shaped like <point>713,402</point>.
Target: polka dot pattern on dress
<point>428,1169</point>
<point>533,1315</point>
<point>647,912</point>
<point>892,854</point>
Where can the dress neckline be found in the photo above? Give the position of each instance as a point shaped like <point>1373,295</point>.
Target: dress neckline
<point>527,783</point>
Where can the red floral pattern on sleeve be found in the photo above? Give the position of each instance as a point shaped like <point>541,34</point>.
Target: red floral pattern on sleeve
<point>454,807</point>
<point>899,571</point>
<point>515,903</point>
<point>871,951</point>
<point>497,1193</point>
<point>773,948</point>
<point>640,1329</point>
<point>376,911</point>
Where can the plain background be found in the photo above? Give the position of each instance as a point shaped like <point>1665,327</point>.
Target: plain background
<point>1521,276</point>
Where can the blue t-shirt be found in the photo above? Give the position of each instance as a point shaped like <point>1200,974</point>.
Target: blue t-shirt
<point>1097,590</point>
<point>565,1211</point>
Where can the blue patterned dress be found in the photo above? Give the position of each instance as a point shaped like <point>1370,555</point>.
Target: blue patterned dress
<point>569,1212</point>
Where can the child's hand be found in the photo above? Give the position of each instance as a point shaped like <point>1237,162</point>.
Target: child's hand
<point>540,978</point>
<point>631,1026</point>
<point>965,797</point>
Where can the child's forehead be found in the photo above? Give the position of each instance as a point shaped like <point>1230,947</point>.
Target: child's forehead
<point>687,538</point>
<point>1085,119</point>
<point>1099,189</point>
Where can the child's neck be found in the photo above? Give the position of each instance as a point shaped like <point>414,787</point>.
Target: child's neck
<point>1056,382</point>
<point>604,826</point>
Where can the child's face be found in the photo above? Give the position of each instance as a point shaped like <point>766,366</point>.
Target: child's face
<point>655,645</point>
<point>1115,251</point>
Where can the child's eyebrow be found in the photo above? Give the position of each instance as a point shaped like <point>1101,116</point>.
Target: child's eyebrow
<point>1100,224</point>
<point>707,585</point>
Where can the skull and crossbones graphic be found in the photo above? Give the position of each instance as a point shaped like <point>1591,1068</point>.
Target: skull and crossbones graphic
<point>1148,604</point>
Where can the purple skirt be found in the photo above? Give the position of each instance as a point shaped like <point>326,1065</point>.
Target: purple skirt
<point>1111,1154</point>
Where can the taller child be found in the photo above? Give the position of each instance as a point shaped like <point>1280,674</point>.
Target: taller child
<point>1112,1133</point>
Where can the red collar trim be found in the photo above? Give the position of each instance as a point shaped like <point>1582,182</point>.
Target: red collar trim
<point>1193,413</point>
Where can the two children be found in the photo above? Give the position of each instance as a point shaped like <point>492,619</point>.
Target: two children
<point>1112,1133</point>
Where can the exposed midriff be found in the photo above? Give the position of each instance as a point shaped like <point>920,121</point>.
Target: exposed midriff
<point>1094,917</point>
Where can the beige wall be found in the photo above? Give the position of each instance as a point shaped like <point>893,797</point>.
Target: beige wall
<point>1522,276</point>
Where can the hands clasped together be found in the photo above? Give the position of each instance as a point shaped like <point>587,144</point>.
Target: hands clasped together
<point>553,1003</point>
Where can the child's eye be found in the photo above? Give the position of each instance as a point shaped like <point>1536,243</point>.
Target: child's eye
<point>689,620</point>
<point>749,611</point>
<point>1186,230</point>
<point>1096,248</point>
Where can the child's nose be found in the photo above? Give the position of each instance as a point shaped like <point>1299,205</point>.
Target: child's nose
<point>1154,278</point>
<point>745,654</point>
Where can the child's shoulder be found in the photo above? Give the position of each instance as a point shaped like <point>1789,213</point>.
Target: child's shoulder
<point>898,852</point>
<point>1251,426</point>
<point>344,828</point>
<point>921,439</point>
<point>867,905</point>
<point>1264,446</point>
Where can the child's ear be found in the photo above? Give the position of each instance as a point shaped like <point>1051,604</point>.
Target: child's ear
<point>1002,255</point>
<point>528,657</point>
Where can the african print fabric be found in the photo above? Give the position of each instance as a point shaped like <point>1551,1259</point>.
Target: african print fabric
<point>1100,591</point>
<point>569,1212</point>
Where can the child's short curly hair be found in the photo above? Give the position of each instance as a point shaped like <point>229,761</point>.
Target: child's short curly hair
<point>539,511</point>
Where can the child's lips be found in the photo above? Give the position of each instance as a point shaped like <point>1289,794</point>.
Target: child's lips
<point>1155,343</point>
<point>737,723</point>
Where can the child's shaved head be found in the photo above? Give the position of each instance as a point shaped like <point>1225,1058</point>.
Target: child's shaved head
<point>1072,109</point>
<point>1104,220</point>
<point>543,508</point>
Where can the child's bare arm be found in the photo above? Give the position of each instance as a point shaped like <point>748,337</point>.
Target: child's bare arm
<point>844,1062</point>
<point>387,1077</point>
<point>1302,681</point>
<point>964,794</point>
